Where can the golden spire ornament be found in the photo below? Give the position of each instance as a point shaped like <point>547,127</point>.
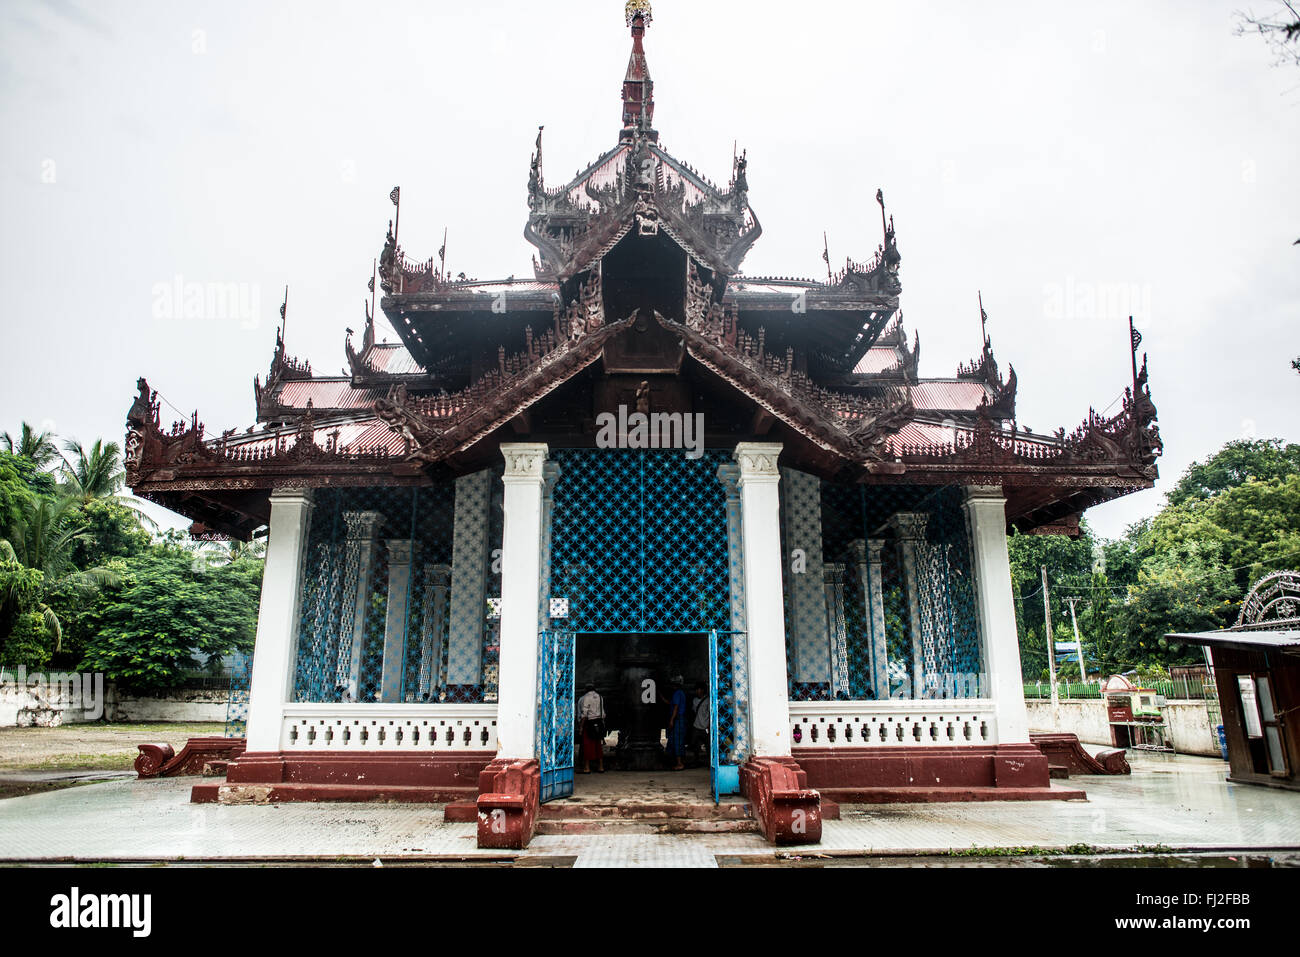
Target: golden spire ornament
<point>639,8</point>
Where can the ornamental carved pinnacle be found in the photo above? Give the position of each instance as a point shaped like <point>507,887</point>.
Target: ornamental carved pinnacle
<point>758,460</point>
<point>525,461</point>
<point>909,526</point>
<point>363,526</point>
<point>729,476</point>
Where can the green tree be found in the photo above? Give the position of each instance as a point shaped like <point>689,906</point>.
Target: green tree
<point>96,474</point>
<point>170,616</point>
<point>1234,465</point>
<point>15,491</point>
<point>45,539</point>
<point>1185,588</point>
<point>1255,524</point>
<point>37,447</point>
<point>28,644</point>
<point>1069,565</point>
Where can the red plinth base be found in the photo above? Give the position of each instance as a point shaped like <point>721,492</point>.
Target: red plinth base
<point>287,776</point>
<point>162,761</point>
<point>1016,772</point>
<point>509,799</point>
<point>788,811</point>
<point>1064,750</point>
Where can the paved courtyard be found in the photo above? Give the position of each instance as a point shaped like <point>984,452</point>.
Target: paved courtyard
<point>1171,801</point>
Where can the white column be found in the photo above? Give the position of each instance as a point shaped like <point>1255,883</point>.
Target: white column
<point>437,583</point>
<point>986,509</point>
<point>811,640</point>
<point>277,618</point>
<point>363,540</point>
<point>469,579</point>
<point>550,475</point>
<point>868,557</point>
<point>833,577</point>
<point>761,522</point>
<point>399,590</point>
<point>521,567</point>
<point>729,476</point>
<point>910,528</point>
<point>740,701</point>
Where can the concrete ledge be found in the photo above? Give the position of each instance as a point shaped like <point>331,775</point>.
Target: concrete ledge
<point>975,768</point>
<point>925,795</point>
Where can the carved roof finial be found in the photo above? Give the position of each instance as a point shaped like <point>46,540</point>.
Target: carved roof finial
<point>639,8</point>
<point>638,88</point>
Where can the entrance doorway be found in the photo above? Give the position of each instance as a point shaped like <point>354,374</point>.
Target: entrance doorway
<point>636,675</point>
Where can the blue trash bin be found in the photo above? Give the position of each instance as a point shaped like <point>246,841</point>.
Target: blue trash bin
<point>1223,741</point>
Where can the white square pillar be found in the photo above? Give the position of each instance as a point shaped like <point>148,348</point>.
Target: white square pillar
<point>276,644</point>
<point>399,590</point>
<point>760,505</point>
<point>910,528</point>
<point>521,582</point>
<point>986,509</point>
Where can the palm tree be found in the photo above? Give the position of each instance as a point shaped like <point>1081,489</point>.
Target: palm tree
<point>37,447</point>
<point>97,474</point>
<point>217,554</point>
<point>44,539</point>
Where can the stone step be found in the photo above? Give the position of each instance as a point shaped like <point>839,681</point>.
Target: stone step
<point>644,811</point>
<point>564,826</point>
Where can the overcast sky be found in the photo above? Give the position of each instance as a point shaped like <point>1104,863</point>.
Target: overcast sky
<point>1074,161</point>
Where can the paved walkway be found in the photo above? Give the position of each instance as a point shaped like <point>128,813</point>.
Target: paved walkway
<point>1174,801</point>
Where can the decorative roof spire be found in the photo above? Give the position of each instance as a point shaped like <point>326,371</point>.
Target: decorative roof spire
<point>638,88</point>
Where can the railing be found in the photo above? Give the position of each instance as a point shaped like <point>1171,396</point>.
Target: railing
<point>1064,689</point>
<point>1176,689</point>
<point>389,727</point>
<point>892,724</point>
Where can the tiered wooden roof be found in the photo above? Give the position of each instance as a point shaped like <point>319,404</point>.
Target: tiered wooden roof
<point>637,289</point>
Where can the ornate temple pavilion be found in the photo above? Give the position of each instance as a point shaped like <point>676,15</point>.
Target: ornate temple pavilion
<point>639,466</point>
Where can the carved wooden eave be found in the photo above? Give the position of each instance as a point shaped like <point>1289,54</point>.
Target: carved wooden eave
<point>853,428</point>
<point>488,407</point>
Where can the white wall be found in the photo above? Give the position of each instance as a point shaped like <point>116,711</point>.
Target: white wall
<point>22,708</point>
<point>1188,723</point>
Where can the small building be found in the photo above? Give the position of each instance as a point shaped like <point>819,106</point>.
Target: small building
<point>1257,673</point>
<point>1135,716</point>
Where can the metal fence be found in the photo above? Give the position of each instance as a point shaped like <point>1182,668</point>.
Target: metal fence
<point>1176,689</point>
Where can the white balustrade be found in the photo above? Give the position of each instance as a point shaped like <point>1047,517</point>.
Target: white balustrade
<point>892,724</point>
<point>408,729</point>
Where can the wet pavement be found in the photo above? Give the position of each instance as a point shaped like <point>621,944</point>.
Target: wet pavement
<point>1169,804</point>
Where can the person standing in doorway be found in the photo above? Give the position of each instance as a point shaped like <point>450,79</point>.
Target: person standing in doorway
<point>700,724</point>
<point>591,712</point>
<point>677,722</point>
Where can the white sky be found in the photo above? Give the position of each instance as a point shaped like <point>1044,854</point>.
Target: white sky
<point>1075,161</point>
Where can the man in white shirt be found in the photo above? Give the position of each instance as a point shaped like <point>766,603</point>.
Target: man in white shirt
<point>591,715</point>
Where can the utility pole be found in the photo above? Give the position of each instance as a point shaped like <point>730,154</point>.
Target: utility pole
<point>1078,642</point>
<point>1051,641</point>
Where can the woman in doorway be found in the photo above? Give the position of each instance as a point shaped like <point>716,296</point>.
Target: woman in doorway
<point>591,709</point>
<point>677,722</point>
